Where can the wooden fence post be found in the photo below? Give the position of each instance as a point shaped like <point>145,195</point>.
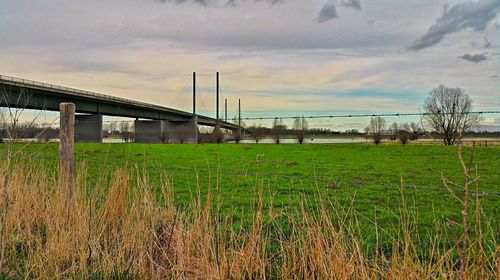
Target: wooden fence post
<point>66,148</point>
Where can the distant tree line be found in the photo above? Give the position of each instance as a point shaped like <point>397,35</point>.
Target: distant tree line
<point>447,116</point>
<point>279,130</point>
<point>121,129</point>
<point>29,131</point>
<point>300,131</point>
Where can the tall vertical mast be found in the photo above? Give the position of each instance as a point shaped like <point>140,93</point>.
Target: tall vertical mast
<point>194,93</point>
<point>239,112</point>
<point>225,109</point>
<point>217,96</point>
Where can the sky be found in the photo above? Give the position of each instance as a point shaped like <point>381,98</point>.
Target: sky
<point>281,57</point>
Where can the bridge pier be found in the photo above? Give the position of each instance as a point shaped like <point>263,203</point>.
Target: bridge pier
<point>161,131</point>
<point>217,134</point>
<point>148,131</point>
<point>181,131</point>
<point>88,128</point>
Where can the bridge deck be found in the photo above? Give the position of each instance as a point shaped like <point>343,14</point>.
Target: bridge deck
<point>43,96</point>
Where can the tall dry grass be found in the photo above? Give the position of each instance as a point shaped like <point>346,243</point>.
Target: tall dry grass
<point>125,229</point>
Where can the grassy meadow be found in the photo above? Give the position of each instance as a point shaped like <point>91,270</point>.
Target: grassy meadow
<point>385,199</point>
<point>368,177</point>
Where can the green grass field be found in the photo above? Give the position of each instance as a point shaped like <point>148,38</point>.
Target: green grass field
<point>369,178</point>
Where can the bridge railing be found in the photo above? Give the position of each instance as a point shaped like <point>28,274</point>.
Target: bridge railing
<point>74,90</point>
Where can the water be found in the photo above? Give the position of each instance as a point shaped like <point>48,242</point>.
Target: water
<point>112,140</point>
<point>271,141</point>
<point>308,141</point>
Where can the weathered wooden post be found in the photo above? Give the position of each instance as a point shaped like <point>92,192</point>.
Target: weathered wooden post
<point>66,148</point>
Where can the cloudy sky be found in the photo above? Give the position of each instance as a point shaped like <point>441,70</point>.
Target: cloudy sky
<point>281,57</point>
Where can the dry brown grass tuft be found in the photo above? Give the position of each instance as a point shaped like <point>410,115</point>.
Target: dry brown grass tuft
<point>122,230</point>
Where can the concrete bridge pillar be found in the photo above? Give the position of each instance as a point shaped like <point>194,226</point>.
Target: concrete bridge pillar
<point>161,131</point>
<point>181,131</point>
<point>149,131</point>
<point>88,128</point>
<point>217,134</point>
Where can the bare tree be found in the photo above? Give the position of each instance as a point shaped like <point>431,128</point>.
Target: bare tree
<point>111,128</point>
<point>448,112</point>
<point>126,131</point>
<point>257,133</point>
<point>182,133</point>
<point>367,133</point>
<point>403,134</point>
<point>278,130</point>
<point>300,127</point>
<point>204,137</point>
<point>237,136</point>
<point>415,131</point>
<point>165,137</point>
<point>375,129</point>
<point>393,131</point>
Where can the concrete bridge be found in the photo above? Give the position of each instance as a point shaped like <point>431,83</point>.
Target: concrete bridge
<point>153,123</point>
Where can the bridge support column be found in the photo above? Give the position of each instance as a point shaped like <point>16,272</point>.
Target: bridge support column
<point>217,134</point>
<point>182,131</point>
<point>158,131</point>
<point>88,128</point>
<point>149,131</point>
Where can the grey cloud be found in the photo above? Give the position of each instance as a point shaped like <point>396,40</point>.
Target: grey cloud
<point>269,1</point>
<point>475,15</point>
<point>272,2</point>
<point>485,44</point>
<point>201,2</point>
<point>476,58</point>
<point>207,2</point>
<point>494,76</point>
<point>327,12</point>
<point>356,4</point>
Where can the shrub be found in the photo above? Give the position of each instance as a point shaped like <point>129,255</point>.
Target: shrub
<point>403,137</point>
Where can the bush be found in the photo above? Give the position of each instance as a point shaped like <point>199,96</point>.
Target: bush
<point>204,138</point>
<point>377,139</point>
<point>237,137</point>
<point>257,133</point>
<point>403,136</point>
